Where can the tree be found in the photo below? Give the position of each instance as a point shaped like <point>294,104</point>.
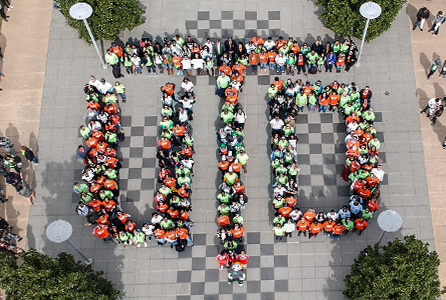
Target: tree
<point>43,277</point>
<point>401,270</point>
<point>108,18</point>
<point>343,17</point>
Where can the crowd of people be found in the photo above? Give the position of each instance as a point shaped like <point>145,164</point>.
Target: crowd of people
<point>362,168</point>
<point>185,57</point>
<point>231,197</point>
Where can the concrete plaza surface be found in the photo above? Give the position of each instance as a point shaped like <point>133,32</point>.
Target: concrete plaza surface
<point>300,268</point>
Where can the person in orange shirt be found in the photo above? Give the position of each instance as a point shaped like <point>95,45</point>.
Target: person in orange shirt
<point>254,60</point>
<point>291,201</point>
<point>263,58</point>
<point>278,83</point>
<point>109,205</point>
<point>372,180</point>
<point>183,234</point>
<point>223,220</point>
<point>285,211</point>
<point>364,193</point>
<point>225,69</point>
<point>95,205</point>
<point>236,167</point>
<point>171,237</point>
<point>280,43</point>
<point>295,48</point>
<point>224,165</point>
<point>238,232</point>
<point>160,236</point>
<point>230,90</point>
<point>328,227</point>
<point>302,226</point>
<point>101,231</point>
<point>373,205</point>
<point>233,99</point>
<point>334,101</point>
<point>307,88</point>
<point>165,145</point>
<point>162,207</point>
<point>315,228</point>
<point>239,187</point>
<point>338,229</point>
<point>241,69</point>
<point>272,59</point>
<point>169,89</point>
<point>173,213</point>
<point>257,40</point>
<point>360,224</point>
<point>323,102</point>
<point>183,191</point>
<point>309,215</point>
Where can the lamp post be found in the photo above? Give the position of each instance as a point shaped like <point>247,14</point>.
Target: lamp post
<point>82,11</point>
<point>60,231</point>
<point>370,11</point>
<point>389,221</point>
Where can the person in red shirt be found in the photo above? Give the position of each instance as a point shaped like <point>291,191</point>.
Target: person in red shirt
<point>222,260</point>
<point>243,258</point>
<point>360,224</point>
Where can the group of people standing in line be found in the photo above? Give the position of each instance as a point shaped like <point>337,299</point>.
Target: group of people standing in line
<point>362,168</point>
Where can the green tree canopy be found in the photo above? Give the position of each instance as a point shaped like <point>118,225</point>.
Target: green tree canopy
<point>43,277</point>
<point>108,18</point>
<point>401,270</point>
<point>343,17</point>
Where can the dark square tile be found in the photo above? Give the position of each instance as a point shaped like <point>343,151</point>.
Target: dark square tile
<point>267,296</point>
<point>183,297</point>
<point>147,184</point>
<point>303,159</point>
<point>197,288</point>
<point>192,24</point>
<point>328,159</point>
<point>318,191</point>
<point>135,173</point>
<point>314,128</point>
<point>254,262</point>
<point>267,273</point>
<point>150,141</point>
<point>136,151</point>
<point>326,118</point>
<point>184,276</point>
<point>225,33</point>
<point>213,250</point>
<point>75,198</point>
<point>280,261</point>
<point>262,24</point>
<point>198,263</point>
<point>383,156</point>
<point>151,121</point>
<point>199,239</point>
<point>263,80</point>
<point>343,191</point>
<point>385,181</point>
<point>380,136</point>
<point>226,288</point>
<point>186,253</point>
<point>315,149</point>
<point>137,131</point>
<point>302,119</point>
<point>148,162</point>
<point>239,24</point>
<point>327,138</point>
<point>213,80</point>
<point>267,249</point>
<point>133,196</point>
<point>340,148</point>
<point>215,24</point>
<point>281,285</point>
<point>203,15</point>
<point>203,33</point>
<point>330,179</point>
<point>304,138</point>
<point>338,127</point>
<point>126,121</point>
<point>227,15</point>
<point>239,296</point>
<point>125,162</point>
<point>317,169</point>
<point>304,180</point>
<point>211,297</point>
<point>274,15</point>
<point>253,237</point>
<point>378,116</point>
<point>253,286</point>
<point>125,143</point>
<point>250,15</point>
<point>212,275</point>
<point>339,168</point>
<point>123,184</point>
<point>250,33</point>
<point>275,33</point>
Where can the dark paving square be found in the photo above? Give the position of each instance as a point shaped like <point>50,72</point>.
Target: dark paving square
<point>151,121</point>
<point>133,196</point>
<point>317,169</point>
<point>192,24</point>
<point>267,249</point>
<point>183,297</point>
<point>326,118</point>
<point>304,138</point>
<point>253,286</point>
<point>314,128</point>
<point>338,127</point>
<point>240,297</point>
<point>125,162</point>
<point>148,162</point>
<point>267,273</point>
<point>123,184</point>
<point>250,33</point>
<point>212,275</point>
<point>304,180</point>
<point>199,239</point>
<point>227,15</point>
<point>302,119</point>
<point>267,296</point>
<point>328,159</point>
<point>250,15</point>
<point>327,138</point>
<point>340,148</point>
<point>315,148</point>
<point>226,288</point>
<point>280,261</point>
<point>343,191</point>
<point>184,276</point>
<point>75,198</point>
<point>263,80</point>
<point>203,15</point>
<point>135,173</point>
<point>254,262</point>
<point>281,285</point>
<point>330,179</point>
<point>210,297</point>
<point>378,116</point>
<point>198,263</point>
<point>147,184</point>
<point>150,141</point>
<point>125,143</point>
<point>382,155</point>
<point>239,24</point>
<point>318,191</point>
<point>213,80</point>
<point>275,33</point>
<point>203,33</point>
<point>136,151</point>
<point>380,136</point>
<point>385,180</point>
<point>186,253</point>
<point>303,159</point>
<point>274,15</point>
<point>126,121</point>
<point>253,237</point>
<point>262,24</point>
<point>137,131</point>
<point>197,288</point>
<point>339,168</point>
<point>215,24</point>
<point>212,250</point>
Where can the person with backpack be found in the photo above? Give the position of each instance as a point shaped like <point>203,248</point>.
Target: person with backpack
<point>439,19</point>
<point>422,15</point>
<point>29,155</point>
<point>434,67</point>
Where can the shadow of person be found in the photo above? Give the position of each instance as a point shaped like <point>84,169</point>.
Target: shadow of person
<point>424,60</point>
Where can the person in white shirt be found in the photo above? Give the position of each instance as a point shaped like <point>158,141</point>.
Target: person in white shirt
<point>240,118</point>
<point>289,227</point>
<point>156,218</point>
<point>296,215</point>
<point>187,103</point>
<point>378,172</point>
<point>250,47</point>
<point>148,231</point>
<point>280,61</point>
<point>84,211</point>
<point>182,115</point>
<point>279,190</point>
<point>93,81</point>
<point>188,87</point>
<point>269,44</point>
<point>136,61</point>
<point>105,87</point>
<point>198,63</point>
<point>276,125</point>
<point>432,104</point>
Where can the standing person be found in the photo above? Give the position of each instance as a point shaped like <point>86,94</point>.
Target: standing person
<point>243,159</point>
<point>84,211</point>
<point>254,60</point>
<point>289,227</point>
<point>112,59</point>
<point>443,70</point>
<point>422,15</point>
<point>439,19</point>
<point>278,231</point>
<point>188,87</point>
<point>217,50</point>
<point>360,224</point>
<point>230,47</point>
<point>7,145</point>
<point>350,60</point>
<point>29,155</point>
<point>120,90</point>
<point>434,67</point>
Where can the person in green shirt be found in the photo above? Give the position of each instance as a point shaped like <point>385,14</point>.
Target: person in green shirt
<point>278,231</point>
<point>86,197</point>
<point>80,188</point>
<point>279,220</point>
<point>111,138</point>
<point>120,90</point>
<point>223,197</point>
<point>369,115</point>
<point>111,173</point>
<point>165,190</point>
<point>223,209</point>
<point>85,131</point>
<point>301,100</point>
<point>125,238</point>
<point>272,91</point>
<point>278,202</point>
<point>230,245</point>
<point>243,159</point>
<point>366,214</point>
<point>127,62</point>
<point>166,111</point>
<point>348,224</point>
<point>374,143</point>
<point>237,219</point>
<point>139,238</point>
<point>183,179</point>
<point>226,117</point>
<point>230,178</point>
<point>112,59</point>
<point>312,58</point>
<point>312,102</point>
<point>223,81</point>
<point>166,224</point>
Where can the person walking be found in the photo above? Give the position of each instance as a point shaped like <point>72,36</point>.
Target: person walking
<point>7,145</point>
<point>439,19</point>
<point>434,67</point>
<point>422,15</point>
<point>29,155</point>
